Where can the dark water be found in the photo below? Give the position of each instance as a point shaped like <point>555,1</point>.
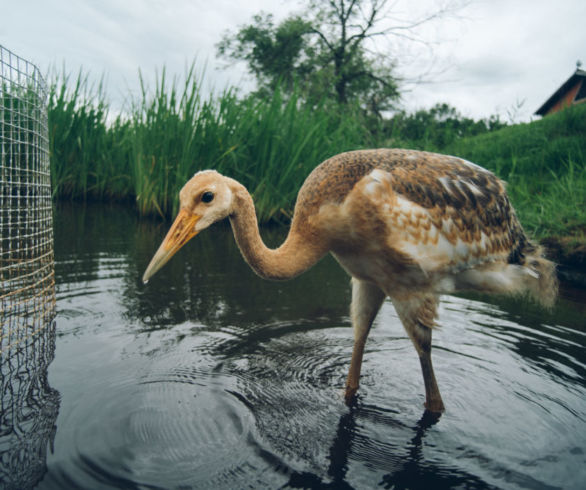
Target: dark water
<point>212,378</point>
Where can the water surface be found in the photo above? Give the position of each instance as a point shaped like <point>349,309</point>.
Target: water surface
<point>210,377</point>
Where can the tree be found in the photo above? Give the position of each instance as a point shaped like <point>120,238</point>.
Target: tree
<point>343,29</point>
<point>332,50</point>
<point>274,54</point>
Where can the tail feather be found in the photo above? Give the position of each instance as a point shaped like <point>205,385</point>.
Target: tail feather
<point>543,285</point>
<point>540,279</point>
<point>533,274</point>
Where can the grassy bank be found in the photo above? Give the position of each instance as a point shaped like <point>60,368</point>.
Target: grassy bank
<point>173,130</point>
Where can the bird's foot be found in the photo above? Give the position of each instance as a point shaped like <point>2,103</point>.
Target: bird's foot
<point>350,395</point>
<point>434,406</point>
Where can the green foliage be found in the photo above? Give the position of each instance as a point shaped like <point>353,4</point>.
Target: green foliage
<point>555,206</point>
<point>270,145</point>
<point>325,51</point>
<point>434,129</point>
<point>531,148</point>
<point>87,157</point>
<point>276,55</point>
<point>20,124</point>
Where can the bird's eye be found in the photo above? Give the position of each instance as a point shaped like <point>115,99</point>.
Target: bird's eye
<point>207,197</point>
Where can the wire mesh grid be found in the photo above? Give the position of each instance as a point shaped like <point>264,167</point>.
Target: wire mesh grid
<point>27,280</point>
<point>28,406</point>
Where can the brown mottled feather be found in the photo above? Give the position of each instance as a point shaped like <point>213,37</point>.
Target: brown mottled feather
<point>416,176</point>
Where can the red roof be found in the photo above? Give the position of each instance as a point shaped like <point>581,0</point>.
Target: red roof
<point>579,75</point>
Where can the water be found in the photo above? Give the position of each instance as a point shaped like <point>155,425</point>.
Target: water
<point>209,377</point>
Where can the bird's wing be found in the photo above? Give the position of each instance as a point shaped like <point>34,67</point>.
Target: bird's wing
<point>444,216</point>
<point>434,211</point>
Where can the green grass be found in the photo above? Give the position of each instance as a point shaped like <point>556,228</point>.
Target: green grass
<point>552,206</point>
<point>271,145</point>
<point>88,158</point>
<point>538,147</point>
<point>172,132</point>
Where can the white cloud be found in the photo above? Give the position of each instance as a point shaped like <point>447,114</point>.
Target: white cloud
<point>498,53</point>
<point>505,52</point>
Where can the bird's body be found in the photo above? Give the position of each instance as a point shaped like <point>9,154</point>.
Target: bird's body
<point>405,224</point>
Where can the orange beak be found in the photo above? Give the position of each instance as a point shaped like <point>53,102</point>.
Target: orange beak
<point>182,230</point>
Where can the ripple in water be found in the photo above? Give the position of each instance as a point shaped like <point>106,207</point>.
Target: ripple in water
<point>208,380</point>
<point>163,429</point>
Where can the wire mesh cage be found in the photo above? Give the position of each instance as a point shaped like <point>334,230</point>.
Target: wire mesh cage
<point>27,279</point>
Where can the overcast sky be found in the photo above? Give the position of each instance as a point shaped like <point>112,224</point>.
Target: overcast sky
<point>491,58</point>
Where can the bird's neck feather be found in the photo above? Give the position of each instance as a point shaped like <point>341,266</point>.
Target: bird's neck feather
<point>297,253</point>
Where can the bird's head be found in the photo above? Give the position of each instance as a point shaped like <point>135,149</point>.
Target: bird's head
<point>205,199</point>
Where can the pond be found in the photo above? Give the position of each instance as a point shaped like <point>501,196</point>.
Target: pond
<point>210,377</point>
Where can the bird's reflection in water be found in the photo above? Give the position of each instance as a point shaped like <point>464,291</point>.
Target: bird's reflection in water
<point>402,467</point>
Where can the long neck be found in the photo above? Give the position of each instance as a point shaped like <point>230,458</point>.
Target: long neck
<point>297,253</point>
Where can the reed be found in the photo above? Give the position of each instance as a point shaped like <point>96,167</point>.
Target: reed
<point>87,159</point>
<point>174,130</point>
<point>272,144</point>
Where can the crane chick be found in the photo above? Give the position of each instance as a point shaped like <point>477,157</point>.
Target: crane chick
<point>405,224</point>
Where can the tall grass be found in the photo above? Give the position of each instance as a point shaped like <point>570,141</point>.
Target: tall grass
<point>270,145</point>
<point>88,158</point>
<point>552,206</point>
<point>173,131</point>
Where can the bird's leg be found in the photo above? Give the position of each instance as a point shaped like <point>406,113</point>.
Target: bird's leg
<point>417,313</point>
<point>367,299</point>
<point>433,399</point>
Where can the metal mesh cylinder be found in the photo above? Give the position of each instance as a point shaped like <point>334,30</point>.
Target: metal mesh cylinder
<point>27,279</point>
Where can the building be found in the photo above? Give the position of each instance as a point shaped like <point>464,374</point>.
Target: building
<point>571,92</point>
